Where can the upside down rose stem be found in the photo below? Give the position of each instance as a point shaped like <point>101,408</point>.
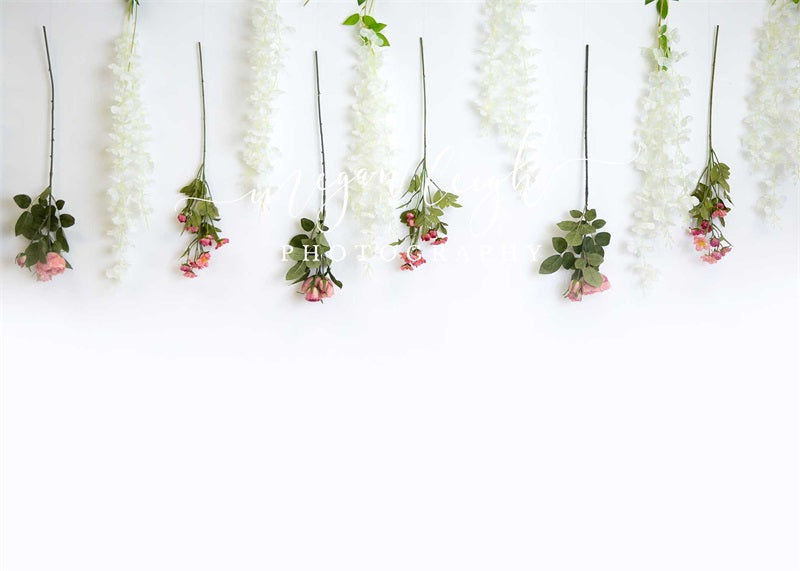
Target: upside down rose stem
<point>52,123</point>
<point>203,103</point>
<point>711,92</point>
<point>586,129</point>
<point>321,142</point>
<point>424,104</point>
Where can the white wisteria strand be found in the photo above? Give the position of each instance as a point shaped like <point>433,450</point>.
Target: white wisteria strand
<point>266,63</point>
<point>506,99</point>
<point>663,198</point>
<point>772,126</point>
<point>131,163</point>
<point>371,194</point>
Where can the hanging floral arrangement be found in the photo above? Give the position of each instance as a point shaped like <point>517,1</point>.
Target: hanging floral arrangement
<point>581,250</point>
<point>199,216</point>
<point>131,163</point>
<point>369,159</point>
<point>309,250</point>
<point>506,99</point>
<point>266,63</point>
<point>43,219</point>
<point>422,212</point>
<point>712,193</point>
<point>772,126</point>
<point>662,197</point>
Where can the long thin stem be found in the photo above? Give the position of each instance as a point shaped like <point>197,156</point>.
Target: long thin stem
<point>424,103</point>
<point>321,141</point>
<point>134,11</point>
<point>586,128</point>
<point>52,108</point>
<point>203,99</point>
<point>711,94</point>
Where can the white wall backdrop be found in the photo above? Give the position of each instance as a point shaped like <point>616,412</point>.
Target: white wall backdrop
<point>462,417</point>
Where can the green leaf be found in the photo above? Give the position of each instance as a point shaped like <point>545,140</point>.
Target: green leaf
<point>369,21</point>
<point>20,225</point>
<point>45,195</point>
<point>550,265</point>
<point>297,271</point>
<point>59,204</point>
<point>584,228</point>
<point>592,277</point>
<point>599,223</point>
<point>576,213</point>
<point>334,280</point>
<point>66,220</point>
<point>62,240</point>
<point>603,238</point>
<point>306,224</point>
<point>594,259</point>
<point>352,20</point>
<point>385,42</point>
<point>580,263</point>
<point>568,260</point>
<point>567,225</point>
<point>559,245</point>
<point>591,215</point>
<point>22,200</point>
<point>297,241</point>
<point>574,238</point>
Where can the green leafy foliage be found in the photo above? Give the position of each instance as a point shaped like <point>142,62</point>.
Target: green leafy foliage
<point>42,226</point>
<point>662,6</point>
<point>199,218</point>
<point>366,21</point>
<point>310,253</point>
<point>580,251</point>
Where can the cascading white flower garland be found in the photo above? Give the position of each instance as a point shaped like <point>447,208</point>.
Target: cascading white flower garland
<point>506,99</point>
<point>663,198</point>
<point>131,163</point>
<point>266,64</point>
<point>772,127</point>
<point>371,193</point>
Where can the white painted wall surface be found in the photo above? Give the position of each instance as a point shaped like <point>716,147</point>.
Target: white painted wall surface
<point>461,418</point>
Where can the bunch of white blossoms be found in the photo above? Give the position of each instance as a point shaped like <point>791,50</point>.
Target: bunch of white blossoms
<point>506,100</point>
<point>371,197</point>
<point>663,197</point>
<point>772,127</point>
<point>266,62</point>
<point>131,163</point>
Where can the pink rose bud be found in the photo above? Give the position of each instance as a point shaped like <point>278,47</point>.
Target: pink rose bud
<point>313,295</point>
<point>192,229</point>
<point>714,242</point>
<point>181,218</point>
<point>221,243</point>
<point>432,233</point>
<point>21,260</point>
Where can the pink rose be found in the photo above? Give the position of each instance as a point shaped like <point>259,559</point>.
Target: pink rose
<point>181,218</point>
<point>21,259</point>
<point>53,266</point>
<point>221,243</point>
<point>313,294</point>
<point>589,289</point>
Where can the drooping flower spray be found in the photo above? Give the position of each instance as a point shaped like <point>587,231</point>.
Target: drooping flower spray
<point>772,126</point>
<point>506,98</point>
<point>43,220</point>
<point>422,211</point>
<point>199,216</point>
<point>662,197</point>
<point>581,251</point>
<point>712,193</point>
<point>266,64</point>
<point>131,163</point>
<point>371,152</point>
<point>309,250</point>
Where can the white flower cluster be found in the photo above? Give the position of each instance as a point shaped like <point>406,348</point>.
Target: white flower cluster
<point>506,100</point>
<point>131,163</point>
<point>663,199</point>
<point>266,57</point>
<point>371,198</point>
<point>772,127</point>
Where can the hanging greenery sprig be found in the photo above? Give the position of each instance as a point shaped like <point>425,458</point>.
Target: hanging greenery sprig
<point>581,250</point>
<point>199,216</point>
<point>309,250</point>
<point>712,193</point>
<point>370,30</point>
<point>663,39</point>
<point>43,219</point>
<point>423,210</point>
